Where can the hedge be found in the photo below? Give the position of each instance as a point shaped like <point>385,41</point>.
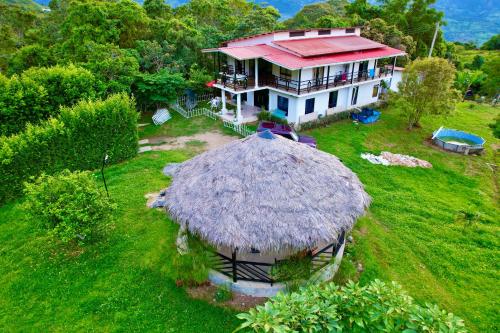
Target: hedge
<point>76,140</point>
<point>38,93</point>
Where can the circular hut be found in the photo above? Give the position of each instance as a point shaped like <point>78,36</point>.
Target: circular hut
<point>261,199</point>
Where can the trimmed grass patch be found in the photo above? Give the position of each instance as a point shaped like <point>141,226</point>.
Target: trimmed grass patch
<point>412,234</point>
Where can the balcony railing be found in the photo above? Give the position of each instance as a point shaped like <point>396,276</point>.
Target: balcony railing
<point>244,82</point>
<point>262,272</point>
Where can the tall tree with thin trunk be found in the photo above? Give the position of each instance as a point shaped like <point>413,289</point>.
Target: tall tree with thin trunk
<point>426,89</point>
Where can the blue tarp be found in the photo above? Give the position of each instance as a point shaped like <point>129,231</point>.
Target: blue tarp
<point>366,116</point>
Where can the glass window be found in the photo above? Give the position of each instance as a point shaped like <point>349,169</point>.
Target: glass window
<point>285,73</point>
<point>297,33</point>
<point>332,100</point>
<point>324,32</point>
<point>310,105</point>
<point>375,90</point>
<point>354,98</point>
<point>350,30</point>
<point>283,104</point>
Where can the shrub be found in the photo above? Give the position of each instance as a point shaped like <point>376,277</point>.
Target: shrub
<point>69,205</point>
<point>324,121</point>
<point>223,294</point>
<point>294,271</point>
<point>22,100</point>
<point>377,307</point>
<point>77,140</point>
<point>192,268</point>
<point>38,94</point>
<point>268,116</point>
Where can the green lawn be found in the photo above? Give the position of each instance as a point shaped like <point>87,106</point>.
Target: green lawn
<point>410,235</point>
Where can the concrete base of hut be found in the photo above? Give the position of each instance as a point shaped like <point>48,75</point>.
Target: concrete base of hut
<point>260,289</point>
<point>255,289</point>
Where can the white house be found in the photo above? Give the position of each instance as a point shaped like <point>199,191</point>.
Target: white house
<point>301,74</point>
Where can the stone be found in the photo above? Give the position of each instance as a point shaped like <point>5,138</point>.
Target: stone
<point>170,169</point>
<point>158,203</point>
<point>350,239</point>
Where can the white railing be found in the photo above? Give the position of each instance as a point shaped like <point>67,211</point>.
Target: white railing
<point>199,98</point>
<point>238,128</point>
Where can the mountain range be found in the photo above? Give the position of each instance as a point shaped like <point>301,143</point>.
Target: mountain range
<point>467,20</point>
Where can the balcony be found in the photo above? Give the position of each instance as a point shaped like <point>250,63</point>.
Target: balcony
<point>241,81</point>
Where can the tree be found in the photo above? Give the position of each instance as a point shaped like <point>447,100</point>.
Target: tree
<point>157,9</point>
<point>418,19</point>
<point>426,89</point>
<point>476,63</point>
<point>198,78</point>
<point>28,56</point>
<point>115,68</point>
<point>158,88</point>
<point>491,85</point>
<point>492,44</point>
<point>380,31</point>
<point>154,56</point>
<point>466,79</point>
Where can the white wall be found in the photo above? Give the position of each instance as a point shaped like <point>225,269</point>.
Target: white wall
<point>285,35</point>
<point>396,78</point>
<point>292,105</point>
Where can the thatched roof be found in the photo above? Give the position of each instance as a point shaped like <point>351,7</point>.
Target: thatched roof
<point>268,194</point>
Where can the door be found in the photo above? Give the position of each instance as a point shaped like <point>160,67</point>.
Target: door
<point>261,99</point>
<point>354,97</point>
<point>363,70</point>
<point>265,72</point>
<point>317,76</point>
<point>310,105</point>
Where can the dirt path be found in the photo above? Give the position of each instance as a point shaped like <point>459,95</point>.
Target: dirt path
<point>204,141</point>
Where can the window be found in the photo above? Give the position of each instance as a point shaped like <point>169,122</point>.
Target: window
<point>283,104</point>
<point>310,105</point>
<point>332,100</point>
<point>297,33</point>
<point>285,73</point>
<point>375,90</point>
<point>324,32</point>
<point>354,98</point>
<point>350,30</point>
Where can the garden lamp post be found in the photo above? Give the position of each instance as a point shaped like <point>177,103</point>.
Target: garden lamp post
<point>104,161</point>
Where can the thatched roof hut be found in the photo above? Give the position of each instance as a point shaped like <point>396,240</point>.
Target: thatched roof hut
<point>267,193</point>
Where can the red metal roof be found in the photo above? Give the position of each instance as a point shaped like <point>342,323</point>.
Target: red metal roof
<point>308,47</point>
<point>292,61</point>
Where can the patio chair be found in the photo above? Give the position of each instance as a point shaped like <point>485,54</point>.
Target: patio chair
<point>161,116</point>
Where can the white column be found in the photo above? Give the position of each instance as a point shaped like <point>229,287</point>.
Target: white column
<point>256,72</point>
<point>239,117</point>
<point>224,110</point>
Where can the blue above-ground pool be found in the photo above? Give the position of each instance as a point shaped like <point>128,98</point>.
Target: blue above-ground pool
<point>458,141</point>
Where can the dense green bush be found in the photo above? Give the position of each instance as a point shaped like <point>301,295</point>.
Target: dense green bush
<point>65,85</point>
<point>70,206</point>
<point>324,121</point>
<point>268,116</point>
<point>38,93</point>
<point>377,307</point>
<point>76,140</point>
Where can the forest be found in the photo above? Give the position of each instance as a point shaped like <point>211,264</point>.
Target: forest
<point>154,50</point>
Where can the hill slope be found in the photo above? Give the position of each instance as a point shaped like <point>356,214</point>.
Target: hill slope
<point>468,20</point>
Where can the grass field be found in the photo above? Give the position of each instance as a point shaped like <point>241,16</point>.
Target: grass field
<point>410,235</point>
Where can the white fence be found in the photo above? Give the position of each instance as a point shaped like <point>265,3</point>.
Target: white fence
<point>240,129</point>
<point>199,98</point>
